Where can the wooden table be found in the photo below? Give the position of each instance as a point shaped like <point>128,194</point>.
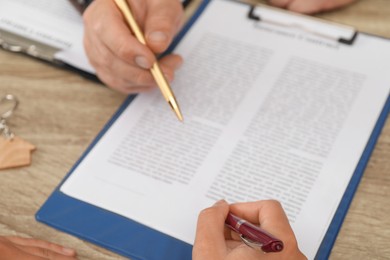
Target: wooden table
<point>61,112</point>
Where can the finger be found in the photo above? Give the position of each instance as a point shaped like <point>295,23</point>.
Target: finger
<point>97,52</point>
<point>270,215</point>
<point>44,253</point>
<point>315,6</point>
<point>305,6</point>
<point>117,74</point>
<point>280,3</point>
<point>210,240</point>
<point>173,61</point>
<point>128,79</point>
<point>10,251</point>
<point>110,27</point>
<point>169,64</point>
<point>36,243</point>
<point>122,85</point>
<point>272,218</point>
<point>131,74</point>
<point>162,23</point>
<point>138,9</point>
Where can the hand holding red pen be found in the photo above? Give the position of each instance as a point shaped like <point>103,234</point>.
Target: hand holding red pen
<point>215,241</point>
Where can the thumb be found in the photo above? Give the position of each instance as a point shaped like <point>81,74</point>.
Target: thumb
<point>210,239</point>
<point>163,20</point>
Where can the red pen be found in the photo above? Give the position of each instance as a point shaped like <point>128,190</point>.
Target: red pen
<point>252,235</point>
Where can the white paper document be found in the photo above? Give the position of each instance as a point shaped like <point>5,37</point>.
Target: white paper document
<point>54,23</point>
<point>269,113</point>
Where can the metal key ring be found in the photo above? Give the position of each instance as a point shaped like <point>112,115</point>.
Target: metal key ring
<point>15,103</point>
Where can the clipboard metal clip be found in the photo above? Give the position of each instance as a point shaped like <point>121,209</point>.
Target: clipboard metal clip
<point>15,43</point>
<point>326,29</point>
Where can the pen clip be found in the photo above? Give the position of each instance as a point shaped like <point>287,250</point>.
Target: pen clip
<point>253,244</point>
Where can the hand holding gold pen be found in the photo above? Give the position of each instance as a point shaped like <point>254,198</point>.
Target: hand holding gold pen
<point>155,70</point>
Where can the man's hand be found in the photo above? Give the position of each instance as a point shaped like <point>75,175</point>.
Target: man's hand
<point>309,6</point>
<point>12,248</point>
<point>120,60</point>
<point>214,241</point>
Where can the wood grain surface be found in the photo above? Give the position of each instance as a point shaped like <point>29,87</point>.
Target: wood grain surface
<point>61,112</point>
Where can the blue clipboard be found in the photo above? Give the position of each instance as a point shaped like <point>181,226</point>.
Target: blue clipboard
<point>107,229</point>
<point>137,241</point>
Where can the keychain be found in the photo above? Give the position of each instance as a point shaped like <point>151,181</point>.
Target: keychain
<point>14,151</point>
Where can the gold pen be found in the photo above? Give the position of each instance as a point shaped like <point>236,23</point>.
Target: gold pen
<point>155,70</point>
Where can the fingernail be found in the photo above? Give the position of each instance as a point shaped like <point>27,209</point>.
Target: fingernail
<point>220,202</point>
<point>158,37</point>
<point>142,62</point>
<point>68,251</point>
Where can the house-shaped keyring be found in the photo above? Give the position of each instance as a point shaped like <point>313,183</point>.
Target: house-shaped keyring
<point>15,152</point>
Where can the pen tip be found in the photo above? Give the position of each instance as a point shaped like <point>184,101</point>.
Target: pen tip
<point>176,109</point>
<point>179,116</point>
